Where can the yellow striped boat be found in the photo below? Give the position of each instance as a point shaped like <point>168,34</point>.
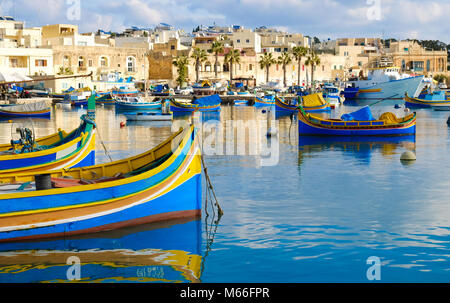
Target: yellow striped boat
<point>161,184</point>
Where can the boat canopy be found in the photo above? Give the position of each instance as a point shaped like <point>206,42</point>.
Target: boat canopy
<point>313,100</point>
<point>212,100</point>
<point>363,114</point>
<point>27,107</point>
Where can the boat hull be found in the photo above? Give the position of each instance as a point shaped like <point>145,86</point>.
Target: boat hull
<point>421,103</point>
<point>37,114</point>
<point>280,106</point>
<point>138,106</point>
<point>179,107</point>
<point>263,102</point>
<point>169,191</point>
<point>308,126</point>
<point>390,90</point>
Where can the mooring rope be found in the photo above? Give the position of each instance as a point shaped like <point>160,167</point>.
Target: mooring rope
<point>210,187</point>
<point>104,147</point>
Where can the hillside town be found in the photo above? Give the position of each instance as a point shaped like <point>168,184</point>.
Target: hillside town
<point>219,53</point>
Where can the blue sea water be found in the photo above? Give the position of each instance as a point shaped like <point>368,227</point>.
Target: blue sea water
<point>315,214</point>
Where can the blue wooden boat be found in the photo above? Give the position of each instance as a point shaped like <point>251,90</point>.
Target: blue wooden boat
<point>106,98</point>
<point>161,184</point>
<point>37,110</point>
<point>436,100</point>
<point>240,102</point>
<point>282,106</point>
<point>264,102</point>
<point>136,103</point>
<point>386,125</point>
<point>204,104</point>
<point>168,251</point>
<point>57,151</point>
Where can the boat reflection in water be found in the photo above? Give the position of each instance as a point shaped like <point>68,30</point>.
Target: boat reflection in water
<point>359,147</point>
<point>164,252</point>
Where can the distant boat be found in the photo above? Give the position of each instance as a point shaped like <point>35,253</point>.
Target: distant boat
<point>204,88</point>
<point>240,102</point>
<point>149,116</point>
<point>208,103</point>
<point>136,103</point>
<point>106,98</point>
<point>264,102</point>
<point>315,103</point>
<point>283,106</point>
<point>331,94</point>
<point>437,99</point>
<point>384,83</point>
<point>359,123</point>
<point>37,109</point>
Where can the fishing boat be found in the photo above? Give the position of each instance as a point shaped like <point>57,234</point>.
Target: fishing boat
<point>204,88</point>
<point>125,91</point>
<point>204,104</point>
<point>85,91</point>
<point>105,98</point>
<point>240,102</point>
<point>434,100</point>
<point>61,150</point>
<point>161,184</point>
<point>384,83</point>
<point>265,101</point>
<point>37,109</point>
<point>315,103</point>
<point>137,103</point>
<point>359,123</point>
<point>149,116</point>
<point>169,251</point>
<point>331,94</point>
<point>285,107</point>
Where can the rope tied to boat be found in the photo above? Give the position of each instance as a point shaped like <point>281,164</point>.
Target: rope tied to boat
<point>210,190</point>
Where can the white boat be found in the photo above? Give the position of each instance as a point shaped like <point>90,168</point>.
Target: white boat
<point>384,83</point>
<point>331,94</point>
<point>149,116</point>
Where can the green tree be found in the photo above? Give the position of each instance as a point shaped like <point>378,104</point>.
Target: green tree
<point>313,60</point>
<point>284,60</point>
<point>299,52</point>
<point>199,55</point>
<point>440,78</point>
<point>265,62</point>
<point>232,57</point>
<point>216,48</point>
<point>181,63</point>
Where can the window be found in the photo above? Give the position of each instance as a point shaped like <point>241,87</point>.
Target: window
<point>285,49</point>
<point>66,61</point>
<point>103,61</point>
<point>248,40</point>
<point>207,67</point>
<point>90,63</point>
<point>64,85</point>
<point>40,62</point>
<point>80,85</point>
<point>131,64</point>
<point>428,65</point>
<point>80,61</point>
<point>238,40</point>
<point>172,47</point>
<point>226,68</point>
<point>250,67</point>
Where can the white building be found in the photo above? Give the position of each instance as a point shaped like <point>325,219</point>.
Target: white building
<point>247,39</point>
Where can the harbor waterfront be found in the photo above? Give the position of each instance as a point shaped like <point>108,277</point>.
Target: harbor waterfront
<point>315,213</point>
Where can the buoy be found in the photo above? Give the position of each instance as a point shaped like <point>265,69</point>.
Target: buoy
<point>263,111</point>
<point>9,121</point>
<point>122,124</point>
<point>408,156</point>
<point>406,109</point>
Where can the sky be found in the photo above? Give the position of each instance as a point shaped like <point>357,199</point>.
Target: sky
<point>326,19</point>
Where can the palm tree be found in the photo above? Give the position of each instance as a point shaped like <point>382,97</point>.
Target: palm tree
<point>181,63</point>
<point>284,60</point>
<point>299,52</point>
<point>265,62</point>
<point>199,55</point>
<point>216,48</point>
<point>232,57</point>
<point>313,60</point>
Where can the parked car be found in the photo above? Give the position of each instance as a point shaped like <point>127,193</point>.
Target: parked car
<point>184,91</point>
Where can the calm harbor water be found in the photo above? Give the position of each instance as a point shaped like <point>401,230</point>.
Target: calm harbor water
<point>314,214</point>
